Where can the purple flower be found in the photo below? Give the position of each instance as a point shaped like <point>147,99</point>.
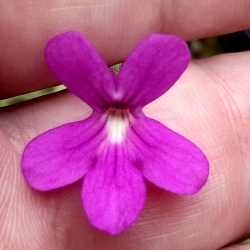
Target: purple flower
<point>117,146</point>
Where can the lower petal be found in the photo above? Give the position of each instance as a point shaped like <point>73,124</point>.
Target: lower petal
<point>62,155</point>
<point>113,191</point>
<point>168,159</point>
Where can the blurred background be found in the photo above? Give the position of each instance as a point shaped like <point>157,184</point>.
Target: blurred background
<point>235,42</point>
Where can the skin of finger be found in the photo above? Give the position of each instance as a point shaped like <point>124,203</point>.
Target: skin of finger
<point>210,105</point>
<point>112,26</point>
<point>240,247</point>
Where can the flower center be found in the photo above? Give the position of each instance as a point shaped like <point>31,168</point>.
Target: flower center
<point>117,123</point>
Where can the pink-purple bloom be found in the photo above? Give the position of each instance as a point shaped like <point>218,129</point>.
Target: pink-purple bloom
<point>117,146</point>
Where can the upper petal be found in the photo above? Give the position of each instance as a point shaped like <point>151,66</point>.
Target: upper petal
<point>76,64</point>
<point>113,190</point>
<point>151,69</point>
<point>62,155</point>
<point>166,158</point>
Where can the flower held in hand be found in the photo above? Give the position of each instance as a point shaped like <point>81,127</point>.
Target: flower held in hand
<point>117,146</point>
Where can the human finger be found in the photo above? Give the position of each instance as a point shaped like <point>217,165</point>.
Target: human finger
<point>190,108</point>
<point>236,247</point>
<point>113,27</point>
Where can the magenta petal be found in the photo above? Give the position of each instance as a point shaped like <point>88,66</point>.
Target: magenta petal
<point>113,191</point>
<point>151,69</point>
<point>76,64</point>
<point>62,155</point>
<point>168,159</point>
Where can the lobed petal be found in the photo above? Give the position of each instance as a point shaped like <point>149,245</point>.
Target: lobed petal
<point>166,158</point>
<point>76,64</point>
<point>113,192</point>
<point>62,155</point>
<point>151,69</point>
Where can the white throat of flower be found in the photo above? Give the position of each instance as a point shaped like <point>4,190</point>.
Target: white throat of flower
<point>117,123</point>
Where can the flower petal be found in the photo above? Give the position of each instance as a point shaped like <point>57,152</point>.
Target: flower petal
<point>151,69</point>
<point>166,158</point>
<point>76,64</point>
<point>62,155</point>
<point>113,191</point>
